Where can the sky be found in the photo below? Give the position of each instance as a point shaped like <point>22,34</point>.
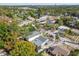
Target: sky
<point>39,3</point>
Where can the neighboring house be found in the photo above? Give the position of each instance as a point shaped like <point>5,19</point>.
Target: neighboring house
<point>59,50</point>
<point>47,19</point>
<point>33,36</point>
<point>38,40</point>
<point>43,18</point>
<point>63,28</point>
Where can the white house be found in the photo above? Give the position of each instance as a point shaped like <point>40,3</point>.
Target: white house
<point>42,19</point>
<point>33,36</point>
<point>63,28</point>
<point>38,40</point>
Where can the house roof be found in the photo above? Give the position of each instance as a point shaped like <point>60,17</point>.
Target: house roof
<point>63,27</point>
<point>61,50</point>
<point>46,16</point>
<point>34,33</point>
<point>39,41</point>
<point>43,18</point>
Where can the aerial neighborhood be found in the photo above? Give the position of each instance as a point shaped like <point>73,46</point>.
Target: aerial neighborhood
<point>49,31</point>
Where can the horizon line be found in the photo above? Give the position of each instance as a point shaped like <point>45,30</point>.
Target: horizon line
<point>39,4</point>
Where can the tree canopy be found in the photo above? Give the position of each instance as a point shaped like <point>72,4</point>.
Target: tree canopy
<point>23,48</point>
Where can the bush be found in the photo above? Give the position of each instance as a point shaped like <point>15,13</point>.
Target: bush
<point>1,44</point>
<point>74,53</point>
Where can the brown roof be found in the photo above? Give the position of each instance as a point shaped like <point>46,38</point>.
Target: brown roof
<point>61,50</point>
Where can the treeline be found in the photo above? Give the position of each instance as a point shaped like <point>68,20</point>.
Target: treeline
<point>17,12</point>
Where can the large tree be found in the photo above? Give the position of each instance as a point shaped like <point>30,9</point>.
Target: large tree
<point>23,48</point>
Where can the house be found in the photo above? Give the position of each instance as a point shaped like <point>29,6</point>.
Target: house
<point>63,28</point>
<point>47,19</point>
<point>33,36</point>
<point>38,40</point>
<point>43,18</point>
<point>59,50</point>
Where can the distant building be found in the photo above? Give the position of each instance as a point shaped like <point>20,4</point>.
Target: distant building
<point>42,19</point>
<point>47,19</point>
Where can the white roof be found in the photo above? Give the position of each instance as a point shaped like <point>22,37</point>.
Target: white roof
<point>63,27</point>
<point>33,35</point>
<point>43,18</point>
<point>40,40</point>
